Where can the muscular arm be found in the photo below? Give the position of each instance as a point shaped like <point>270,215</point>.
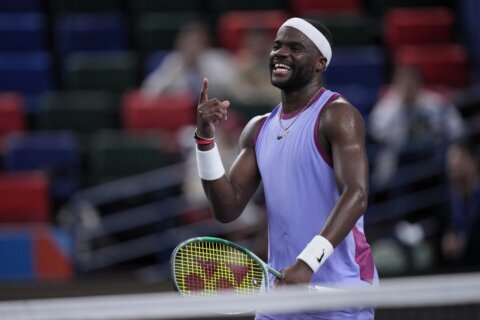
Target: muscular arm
<point>342,135</point>
<point>229,195</point>
<point>342,132</point>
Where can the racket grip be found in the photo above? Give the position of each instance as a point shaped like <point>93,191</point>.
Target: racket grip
<point>274,272</point>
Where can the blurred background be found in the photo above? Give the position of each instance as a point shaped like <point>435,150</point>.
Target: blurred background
<point>98,181</point>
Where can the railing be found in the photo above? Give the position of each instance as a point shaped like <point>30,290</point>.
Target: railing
<point>106,238</point>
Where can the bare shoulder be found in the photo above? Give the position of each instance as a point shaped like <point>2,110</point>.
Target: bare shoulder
<point>341,114</point>
<point>341,117</point>
<point>249,133</point>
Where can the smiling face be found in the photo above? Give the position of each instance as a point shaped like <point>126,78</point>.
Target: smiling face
<point>294,60</point>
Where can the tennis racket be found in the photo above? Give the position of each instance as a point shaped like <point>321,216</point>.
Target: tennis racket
<point>204,266</point>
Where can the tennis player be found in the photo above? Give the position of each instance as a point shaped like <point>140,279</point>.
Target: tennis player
<point>309,153</point>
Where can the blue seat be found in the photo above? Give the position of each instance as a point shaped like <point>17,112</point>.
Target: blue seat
<point>19,6</point>
<point>90,32</point>
<point>55,153</point>
<point>468,11</point>
<point>359,65</point>
<point>153,61</point>
<point>22,32</point>
<point>29,73</point>
<point>362,97</point>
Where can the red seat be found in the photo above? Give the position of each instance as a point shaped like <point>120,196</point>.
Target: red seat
<point>24,197</point>
<point>12,116</point>
<point>168,112</point>
<point>309,7</point>
<point>418,26</point>
<point>439,64</point>
<point>232,25</point>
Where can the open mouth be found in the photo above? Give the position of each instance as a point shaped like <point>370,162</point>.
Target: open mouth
<point>280,69</point>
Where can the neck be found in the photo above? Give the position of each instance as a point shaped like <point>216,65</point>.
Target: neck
<point>296,100</point>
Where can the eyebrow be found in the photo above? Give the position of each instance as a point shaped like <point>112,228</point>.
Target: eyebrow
<point>290,43</point>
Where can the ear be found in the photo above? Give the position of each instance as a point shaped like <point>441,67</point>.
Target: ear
<point>321,64</point>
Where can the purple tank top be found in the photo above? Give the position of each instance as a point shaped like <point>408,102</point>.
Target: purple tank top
<point>300,192</point>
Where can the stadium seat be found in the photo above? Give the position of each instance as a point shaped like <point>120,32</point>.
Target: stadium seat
<point>84,112</point>
<point>114,155</point>
<point>12,113</point>
<point>158,30</point>
<point>361,97</point>
<point>231,25</point>
<point>25,198</point>
<point>351,29</point>
<point>418,26</point>
<point>153,61</point>
<point>90,32</point>
<point>22,32</point>
<point>21,6</point>
<point>63,6</point>
<point>30,74</point>
<point>110,71</point>
<point>168,112</point>
<point>467,23</point>
<point>307,7</point>
<point>56,154</point>
<point>138,7</point>
<point>439,64</point>
<point>363,66</point>
<point>220,6</point>
<point>379,7</point>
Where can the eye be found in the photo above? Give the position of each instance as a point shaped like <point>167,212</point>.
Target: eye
<point>296,48</point>
<point>276,46</point>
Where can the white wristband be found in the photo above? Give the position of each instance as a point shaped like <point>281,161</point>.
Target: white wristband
<point>209,164</point>
<point>316,252</point>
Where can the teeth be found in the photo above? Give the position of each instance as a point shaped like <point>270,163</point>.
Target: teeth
<point>282,66</point>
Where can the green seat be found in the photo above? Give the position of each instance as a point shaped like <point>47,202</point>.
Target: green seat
<point>353,30</point>
<point>248,111</point>
<point>113,71</point>
<point>138,7</point>
<point>158,31</point>
<point>249,5</point>
<point>115,155</point>
<point>84,112</point>
<point>62,6</point>
<point>379,7</point>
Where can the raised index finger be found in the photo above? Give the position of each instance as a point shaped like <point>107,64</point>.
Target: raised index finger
<point>203,93</point>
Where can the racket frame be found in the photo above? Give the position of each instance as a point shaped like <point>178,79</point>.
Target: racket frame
<point>265,267</point>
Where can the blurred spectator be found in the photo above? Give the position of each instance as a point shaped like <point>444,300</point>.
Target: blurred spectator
<point>409,115</point>
<point>192,59</point>
<point>461,242</point>
<point>252,85</point>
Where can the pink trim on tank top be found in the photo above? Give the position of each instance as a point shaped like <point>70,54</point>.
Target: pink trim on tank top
<point>257,134</point>
<point>363,256</point>
<point>287,116</point>
<point>321,150</point>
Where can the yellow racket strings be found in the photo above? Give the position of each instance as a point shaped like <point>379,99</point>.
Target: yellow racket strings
<point>204,268</point>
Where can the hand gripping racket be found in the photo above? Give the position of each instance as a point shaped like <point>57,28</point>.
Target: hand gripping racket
<point>205,266</point>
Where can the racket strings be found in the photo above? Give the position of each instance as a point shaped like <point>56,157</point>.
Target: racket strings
<point>205,268</point>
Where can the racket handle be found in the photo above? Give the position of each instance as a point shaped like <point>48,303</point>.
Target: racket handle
<point>274,272</point>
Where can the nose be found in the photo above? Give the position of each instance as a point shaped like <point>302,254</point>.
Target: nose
<point>280,52</point>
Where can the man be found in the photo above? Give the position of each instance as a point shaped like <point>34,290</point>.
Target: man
<point>309,153</point>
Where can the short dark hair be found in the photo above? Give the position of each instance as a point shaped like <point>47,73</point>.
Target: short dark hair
<point>323,29</point>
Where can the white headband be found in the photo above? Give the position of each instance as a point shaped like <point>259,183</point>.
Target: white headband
<point>313,34</point>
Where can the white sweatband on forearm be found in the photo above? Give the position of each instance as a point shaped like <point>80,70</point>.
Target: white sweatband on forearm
<point>209,164</point>
<point>316,252</point>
